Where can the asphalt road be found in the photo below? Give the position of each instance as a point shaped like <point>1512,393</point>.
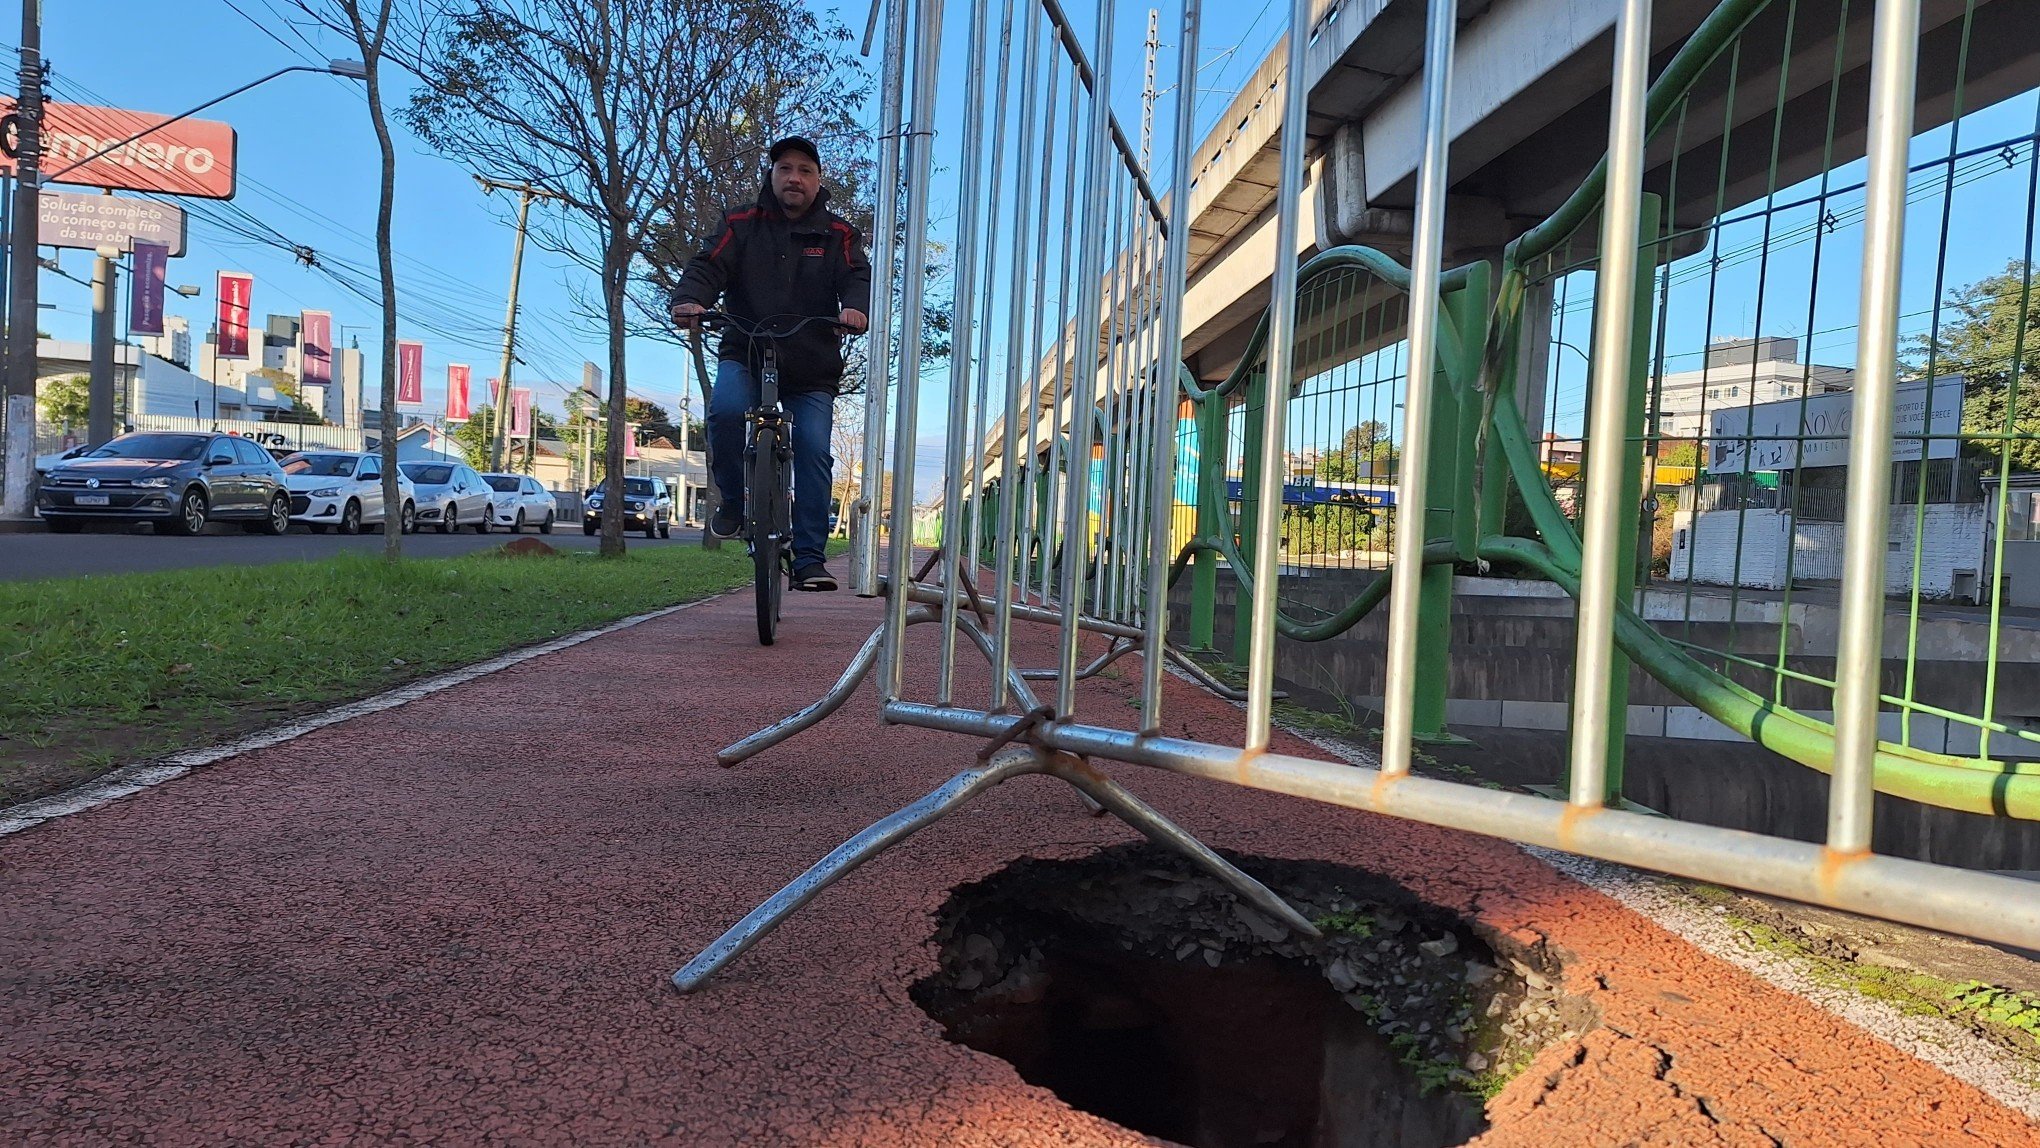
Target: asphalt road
<point>116,551</point>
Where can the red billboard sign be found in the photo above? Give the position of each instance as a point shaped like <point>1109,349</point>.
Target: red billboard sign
<point>457,376</point>
<point>410,371</point>
<point>187,157</point>
<point>237,293</point>
<point>315,353</point>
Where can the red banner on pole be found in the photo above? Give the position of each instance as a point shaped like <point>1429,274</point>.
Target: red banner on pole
<point>630,440</point>
<point>520,413</point>
<point>237,294</point>
<point>457,409</point>
<point>410,371</point>
<point>315,347</point>
<point>145,297</point>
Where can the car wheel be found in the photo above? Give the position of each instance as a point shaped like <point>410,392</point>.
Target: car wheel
<point>517,527</point>
<point>64,525</point>
<point>587,528</point>
<point>191,514</point>
<point>408,522</point>
<point>546,526</point>
<point>450,520</point>
<point>350,518</point>
<point>666,528</point>
<point>278,522</point>
<point>488,513</point>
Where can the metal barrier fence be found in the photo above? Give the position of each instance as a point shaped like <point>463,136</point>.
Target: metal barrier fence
<point>1085,471</point>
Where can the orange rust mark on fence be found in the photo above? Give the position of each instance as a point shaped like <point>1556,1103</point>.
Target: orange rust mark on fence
<point>1377,795</point>
<point>1832,864</point>
<point>1243,765</point>
<point>1569,821</point>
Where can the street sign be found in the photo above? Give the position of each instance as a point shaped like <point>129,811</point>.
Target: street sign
<point>173,157</point>
<point>74,219</point>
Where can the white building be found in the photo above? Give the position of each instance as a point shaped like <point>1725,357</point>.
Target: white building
<point>1740,373</point>
<point>1770,513</point>
<point>173,345</point>
<point>276,350</point>
<point>146,385</point>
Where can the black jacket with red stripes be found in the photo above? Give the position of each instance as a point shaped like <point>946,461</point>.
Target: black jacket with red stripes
<point>762,264</point>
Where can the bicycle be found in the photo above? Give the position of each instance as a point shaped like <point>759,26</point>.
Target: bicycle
<point>768,454</point>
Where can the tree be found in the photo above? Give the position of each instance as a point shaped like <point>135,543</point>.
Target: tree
<point>823,109</point>
<point>1993,327</point>
<point>368,23</point>
<point>286,384</point>
<point>619,108</point>
<point>67,401</point>
<point>1364,454</point>
<point>473,437</point>
<point>651,418</point>
<point>1684,453</point>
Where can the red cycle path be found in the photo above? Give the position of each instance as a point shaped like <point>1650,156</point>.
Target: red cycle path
<point>453,922</point>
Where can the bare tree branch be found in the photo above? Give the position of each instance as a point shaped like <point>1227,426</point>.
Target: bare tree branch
<point>641,118</point>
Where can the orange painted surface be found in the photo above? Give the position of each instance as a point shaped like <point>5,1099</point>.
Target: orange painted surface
<point>454,921</point>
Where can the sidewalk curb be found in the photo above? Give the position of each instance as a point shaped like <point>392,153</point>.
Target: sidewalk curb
<point>132,779</point>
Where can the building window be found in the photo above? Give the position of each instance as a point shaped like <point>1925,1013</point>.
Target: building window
<point>2022,518</point>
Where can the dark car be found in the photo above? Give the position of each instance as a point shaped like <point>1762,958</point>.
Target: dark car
<point>647,506</point>
<point>177,482</point>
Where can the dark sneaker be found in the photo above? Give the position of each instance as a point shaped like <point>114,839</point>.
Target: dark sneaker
<point>813,576</point>
<point>728,520</point>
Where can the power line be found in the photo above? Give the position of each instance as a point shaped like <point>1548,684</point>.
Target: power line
<point>543,345</point>
<point>264,29</point>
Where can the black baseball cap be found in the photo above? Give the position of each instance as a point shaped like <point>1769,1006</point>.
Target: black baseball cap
<point>794,143</point>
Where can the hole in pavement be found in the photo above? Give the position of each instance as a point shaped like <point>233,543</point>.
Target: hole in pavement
<point>1141,990</point>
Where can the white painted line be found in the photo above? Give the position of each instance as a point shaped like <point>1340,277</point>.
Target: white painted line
<point>130,779</point>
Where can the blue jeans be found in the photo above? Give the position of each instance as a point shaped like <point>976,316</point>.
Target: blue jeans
<point>811,413</point>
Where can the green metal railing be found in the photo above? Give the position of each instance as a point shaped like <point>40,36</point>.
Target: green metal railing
<point>1492,500</point>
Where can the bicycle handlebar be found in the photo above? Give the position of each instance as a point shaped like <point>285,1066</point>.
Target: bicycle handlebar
<point>755,329</point>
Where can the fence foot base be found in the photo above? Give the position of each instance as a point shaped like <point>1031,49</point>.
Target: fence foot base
<point>1015,761</point>
<point>853,676</point>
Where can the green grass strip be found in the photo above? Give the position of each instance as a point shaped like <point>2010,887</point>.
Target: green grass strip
<point>99,670</point>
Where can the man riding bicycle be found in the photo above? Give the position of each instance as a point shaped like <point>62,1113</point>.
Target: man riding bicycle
<point>785,255</point>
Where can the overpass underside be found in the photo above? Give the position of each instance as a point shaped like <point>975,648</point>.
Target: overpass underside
<point>1783,104</point>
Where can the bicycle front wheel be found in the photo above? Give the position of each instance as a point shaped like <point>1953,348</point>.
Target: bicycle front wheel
<point>765,502</point>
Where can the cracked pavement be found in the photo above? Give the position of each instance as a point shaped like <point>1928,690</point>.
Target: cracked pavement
<point>453,922</point>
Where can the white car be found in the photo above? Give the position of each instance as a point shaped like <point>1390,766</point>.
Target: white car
<point>450,495</point>
<point>343,490</point>
<point>519,501</point>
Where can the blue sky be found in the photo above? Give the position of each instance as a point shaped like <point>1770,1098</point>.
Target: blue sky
<point>308,174</point>
<point>307,159</point>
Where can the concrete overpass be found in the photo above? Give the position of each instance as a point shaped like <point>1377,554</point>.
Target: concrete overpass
<point>1529,109</point>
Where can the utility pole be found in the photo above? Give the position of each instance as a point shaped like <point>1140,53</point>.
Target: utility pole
<point>18,445</point>
<point>1147,92</point>
<point>525,194</point>
<point>99,410</point>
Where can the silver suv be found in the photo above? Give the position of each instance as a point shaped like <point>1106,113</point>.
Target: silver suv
<point>647,506</point>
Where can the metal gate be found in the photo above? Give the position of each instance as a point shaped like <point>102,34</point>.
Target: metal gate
<point>1085,471</point>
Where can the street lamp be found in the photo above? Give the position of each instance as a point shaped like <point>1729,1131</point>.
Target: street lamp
<point>188,290</point>
<point>346,69</point>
